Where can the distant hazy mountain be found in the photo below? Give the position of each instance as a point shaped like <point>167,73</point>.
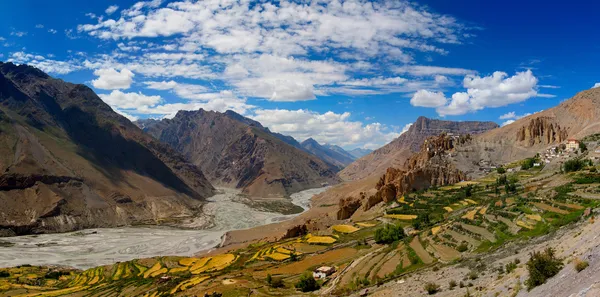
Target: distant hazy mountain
<point>68,161</point>
<point>235,151</point>
<point>333,155</point>
<point>358,153</point>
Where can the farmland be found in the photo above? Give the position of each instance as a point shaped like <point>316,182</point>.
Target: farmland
<point>442,226</point>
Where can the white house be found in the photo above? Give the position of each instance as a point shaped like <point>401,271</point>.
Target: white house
<point>323,272</point>
<point>572,144</point>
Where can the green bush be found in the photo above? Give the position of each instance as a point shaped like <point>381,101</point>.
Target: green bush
<point>581,265</point>
<point>582,147</point>
<point>432,288</point>
<point>472,275</point>
<point>388,234</point>
<point>452,284</point>
<point>510,267</point>
<point>462,247</point>
<point>307,283</point>
<point>4,273</point>
<point>501,170</point>
<point>541,267</point>
<point>574,165</point>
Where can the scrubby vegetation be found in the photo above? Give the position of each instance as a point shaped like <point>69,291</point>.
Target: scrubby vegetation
<point>580,265</point>
<point>432,288</point>
<point>576,165</point>
<point>542,266</point>
<point>307,283</point>
<point>389,233</point>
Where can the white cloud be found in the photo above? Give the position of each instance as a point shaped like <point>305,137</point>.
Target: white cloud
<point>120,100</point>
<point>509,115</point>
<point>326,127</point>
<point>111,9</point>
<point>18,33</point>
<point>597,85</point>
<point>417,70</point>
<point>39,26</point>
<point>372,28</point>
<point>112,79</point>
<point>47,65</point>
<point>508,122</point>
<point>491,91</point>
<point>52,31</point>
<point>426,98</point>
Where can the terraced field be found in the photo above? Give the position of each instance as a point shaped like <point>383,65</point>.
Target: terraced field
<point>441,227</point>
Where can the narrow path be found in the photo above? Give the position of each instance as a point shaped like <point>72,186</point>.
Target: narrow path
<point>355,263</point>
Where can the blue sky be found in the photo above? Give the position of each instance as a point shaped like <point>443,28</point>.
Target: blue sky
<point>352,73</point>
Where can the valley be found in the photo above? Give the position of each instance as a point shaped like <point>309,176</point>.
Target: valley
<point>93,247</point>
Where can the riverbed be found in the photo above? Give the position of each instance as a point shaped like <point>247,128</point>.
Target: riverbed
<point>93,247</point>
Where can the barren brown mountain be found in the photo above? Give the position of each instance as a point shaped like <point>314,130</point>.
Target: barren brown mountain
<point>69,162</point>
<point>235,151</point>
<point>337,157</point>
<point>395,153</point>
<point>573,118</point>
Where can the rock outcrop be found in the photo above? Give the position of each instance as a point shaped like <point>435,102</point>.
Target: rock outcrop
<point>541,130</point>
<point>430,167</point>
<point>348,206</point>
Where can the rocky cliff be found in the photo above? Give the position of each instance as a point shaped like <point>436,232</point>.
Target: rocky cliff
<point>68,161</point>
<point>238,152</point>
<point>400,149</point>
<point>430,167</point>
<point>541,130</point>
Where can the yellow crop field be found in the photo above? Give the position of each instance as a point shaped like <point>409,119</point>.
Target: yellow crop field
<point>216,263</point>
<point>535,217</point>
<point>344,228</point>
<point>200,263</point>
<point>153,269</point>
<point>435,230</point>
<point>464,203</point>
<point>321,239</point>
<point>483,210</point>
<point>189,283</point>
<point>401,200</point>
<point>448,208</point>
<point>366,225</point>
<point>466,183</point>
<point>159,272</point>
<point>470,215</point>
<point>524,225</point>
<point>471,201</point>
<point>179,269</point>
<point>188,261</point>
<point>401,217</point>
<point>278,256</point>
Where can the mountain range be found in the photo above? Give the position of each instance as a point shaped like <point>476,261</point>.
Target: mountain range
<point>395,153</point>
<point>234,151</point>
<point>68,161</point>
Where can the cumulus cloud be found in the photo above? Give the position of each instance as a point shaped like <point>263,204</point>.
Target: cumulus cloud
<point>597,85</point>
<point>120,100</point>
<point>111,9</point>
<point>508,122</point>
<point>495,90</point>
<point>328,127</point>
<point>241,26</point>
<point>45,64</point>
<point>112,79</point>
<point>426,98</point>
<point>512,116</point>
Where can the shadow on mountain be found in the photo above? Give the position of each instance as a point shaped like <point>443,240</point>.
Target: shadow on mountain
<point>106,148</point>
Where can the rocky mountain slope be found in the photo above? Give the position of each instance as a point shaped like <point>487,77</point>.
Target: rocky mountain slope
<point>238,152</point>
<point>573,118</point>
<point>68,161</point>
<point>334,155</point>
<point>395,153</point>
